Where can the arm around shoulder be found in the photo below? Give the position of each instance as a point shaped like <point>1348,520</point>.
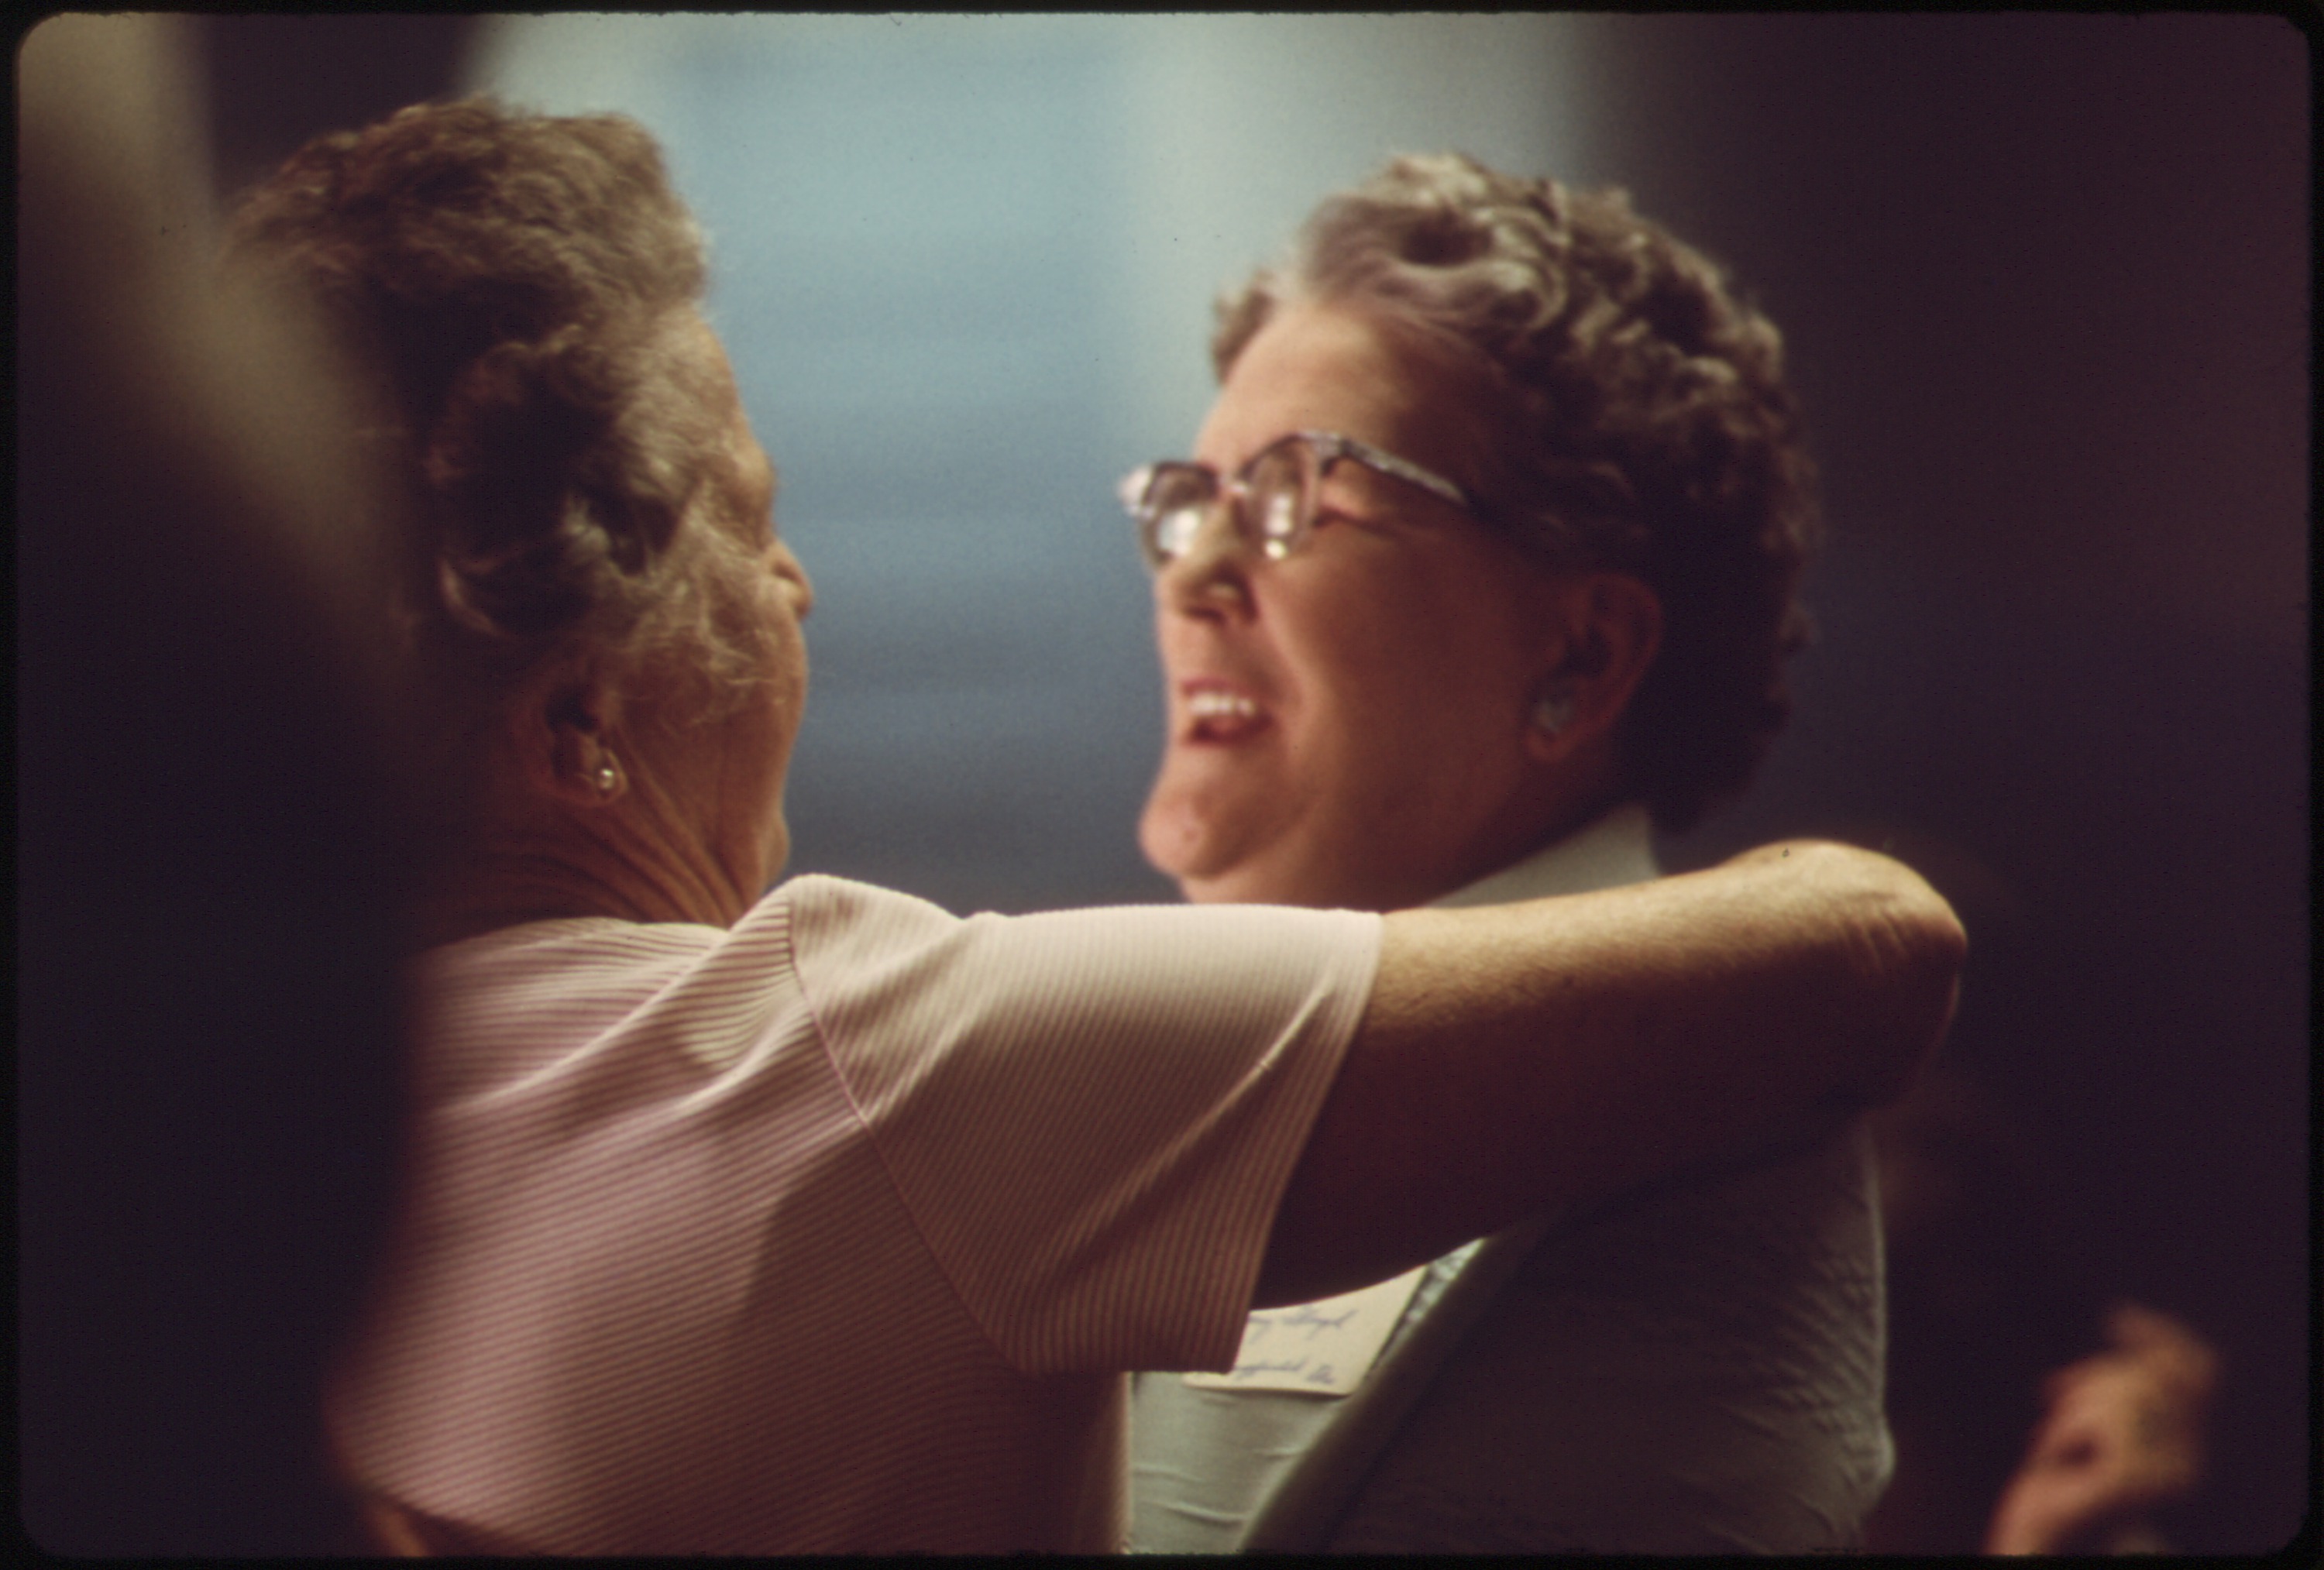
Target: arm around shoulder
<point>1514,1059</point>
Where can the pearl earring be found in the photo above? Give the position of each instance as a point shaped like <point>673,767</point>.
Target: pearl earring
<point>1552,711</point>
<point>607,778</point>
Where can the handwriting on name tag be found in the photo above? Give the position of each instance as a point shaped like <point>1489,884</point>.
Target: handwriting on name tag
<point>1321,1348</point>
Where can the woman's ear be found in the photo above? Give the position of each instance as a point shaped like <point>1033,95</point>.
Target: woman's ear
<point>567,736</point>
<point>1610,627</point>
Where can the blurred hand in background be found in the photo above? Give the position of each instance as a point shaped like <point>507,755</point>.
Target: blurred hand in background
<point>2124,1433</point>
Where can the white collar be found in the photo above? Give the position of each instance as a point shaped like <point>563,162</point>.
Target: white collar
<point>1614,848</point>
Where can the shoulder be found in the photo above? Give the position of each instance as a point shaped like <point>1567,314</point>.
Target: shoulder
<point>840,922</point>
<point>859,948</point>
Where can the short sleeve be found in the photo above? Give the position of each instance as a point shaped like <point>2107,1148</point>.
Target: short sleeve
<point>1090,1115</point>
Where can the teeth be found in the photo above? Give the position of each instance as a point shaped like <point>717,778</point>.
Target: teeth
<point>1213,704</point>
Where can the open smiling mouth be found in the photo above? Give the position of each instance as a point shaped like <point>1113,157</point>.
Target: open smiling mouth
<point>1218,715</point>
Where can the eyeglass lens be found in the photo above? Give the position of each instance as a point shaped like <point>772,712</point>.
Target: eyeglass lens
<point>1273,510</point>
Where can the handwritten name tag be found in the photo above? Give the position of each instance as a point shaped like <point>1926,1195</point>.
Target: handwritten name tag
<point>1322,1348</point>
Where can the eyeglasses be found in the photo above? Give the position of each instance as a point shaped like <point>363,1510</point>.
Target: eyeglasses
<point>1273,499</point>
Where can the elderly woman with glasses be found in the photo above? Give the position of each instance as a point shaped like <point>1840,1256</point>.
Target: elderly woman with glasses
<point>1485,567</point>
<point>755,1220</point>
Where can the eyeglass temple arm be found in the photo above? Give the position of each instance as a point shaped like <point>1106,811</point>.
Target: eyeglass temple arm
<point>1371,457</point>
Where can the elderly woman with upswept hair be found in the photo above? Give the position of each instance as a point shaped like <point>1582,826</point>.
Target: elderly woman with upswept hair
<point>812,1218</point>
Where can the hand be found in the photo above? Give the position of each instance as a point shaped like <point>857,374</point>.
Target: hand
<point>2124,1433</point>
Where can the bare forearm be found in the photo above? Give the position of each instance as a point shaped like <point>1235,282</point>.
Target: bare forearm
<point>1529,1057</point>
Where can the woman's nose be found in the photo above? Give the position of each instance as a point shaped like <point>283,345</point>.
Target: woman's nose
<point>1214,570</point>
<point>793,578</point>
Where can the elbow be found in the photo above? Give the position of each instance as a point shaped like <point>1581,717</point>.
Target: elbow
<point>1939,949</point>
<point>1909,960</point>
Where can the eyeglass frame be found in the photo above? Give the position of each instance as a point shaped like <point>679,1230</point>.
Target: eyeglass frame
<point>1328,447</point>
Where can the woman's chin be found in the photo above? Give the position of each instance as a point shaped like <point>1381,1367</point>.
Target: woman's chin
<point>1178,839</point>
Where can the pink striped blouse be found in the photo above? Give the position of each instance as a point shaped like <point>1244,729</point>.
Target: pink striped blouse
<point>832,1232</point>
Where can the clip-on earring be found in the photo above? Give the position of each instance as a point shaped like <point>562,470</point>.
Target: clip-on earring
<point>1552,711</point>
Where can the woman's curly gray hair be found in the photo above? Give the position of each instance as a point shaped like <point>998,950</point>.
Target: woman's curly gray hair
<point>1637,419</point>
<point>512,290</point>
